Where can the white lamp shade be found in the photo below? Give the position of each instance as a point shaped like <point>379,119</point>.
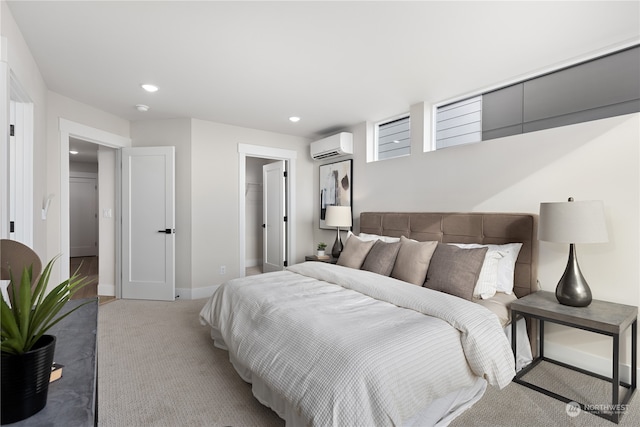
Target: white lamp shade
<point>573,222</point>
<point>338,216</point>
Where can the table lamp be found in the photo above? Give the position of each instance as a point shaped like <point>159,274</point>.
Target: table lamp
<point>573,222</point>
<point>338,216</point>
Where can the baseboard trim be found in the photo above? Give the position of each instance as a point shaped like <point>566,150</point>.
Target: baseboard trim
<point>196,293</point>
<point>106,290</point>
<point>590,362</point>
<point>252,263</point>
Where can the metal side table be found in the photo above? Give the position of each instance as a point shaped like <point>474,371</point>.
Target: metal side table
<point>601,317</point>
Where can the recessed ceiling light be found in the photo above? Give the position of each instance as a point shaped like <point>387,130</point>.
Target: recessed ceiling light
<point>294,119</point>
<point>150,88</point>
<point>73,152</point>
<point>142,107</point>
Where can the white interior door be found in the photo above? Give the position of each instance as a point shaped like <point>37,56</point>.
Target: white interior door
<point>274,213</point>
<point>148,223</point>
<point>20,170</point>
<point>83,216</point>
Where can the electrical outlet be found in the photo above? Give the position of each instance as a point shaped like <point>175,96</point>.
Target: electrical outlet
<point>223,269</point>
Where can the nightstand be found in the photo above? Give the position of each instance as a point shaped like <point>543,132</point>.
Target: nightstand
<point>330,260</point>
<point>601,317</point>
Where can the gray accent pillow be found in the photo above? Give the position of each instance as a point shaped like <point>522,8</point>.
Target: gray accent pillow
<point>412,261</point>
<point>354,252</point>
<point>381,257</point>
<point>454,270</point>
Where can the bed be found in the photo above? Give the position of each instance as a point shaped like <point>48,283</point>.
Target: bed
<point>359,343</point>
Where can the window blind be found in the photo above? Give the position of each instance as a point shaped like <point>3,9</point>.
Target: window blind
<point>459,123</point>
<point>394,138</point>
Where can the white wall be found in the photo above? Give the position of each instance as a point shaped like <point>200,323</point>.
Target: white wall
<point>215,195</point>
<point>595,160</point>
<point>83,167</point>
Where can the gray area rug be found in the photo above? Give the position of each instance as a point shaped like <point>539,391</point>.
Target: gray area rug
<point>158,367</point>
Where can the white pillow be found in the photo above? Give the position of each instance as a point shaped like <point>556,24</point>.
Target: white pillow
<point>387,239</point>
<point>506,264</point>
<point>487,283</point>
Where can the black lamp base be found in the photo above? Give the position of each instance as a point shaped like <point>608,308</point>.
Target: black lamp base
<point>337,246</point>
<point>572,288</point>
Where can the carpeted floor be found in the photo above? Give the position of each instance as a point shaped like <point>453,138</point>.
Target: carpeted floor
<point>158,367</point>
<point>519,406</point>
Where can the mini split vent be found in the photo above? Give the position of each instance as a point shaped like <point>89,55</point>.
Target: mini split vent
<point>336,145</point>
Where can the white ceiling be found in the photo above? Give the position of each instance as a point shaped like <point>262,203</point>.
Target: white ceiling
<point>87,152</point>
<point>334,64</point>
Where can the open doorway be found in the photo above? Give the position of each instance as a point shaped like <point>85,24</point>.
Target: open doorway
<point>253,195</point>
<point>83,214</point>
<point>265,215</point>
<point>268,155</point>
<point>107,146</point>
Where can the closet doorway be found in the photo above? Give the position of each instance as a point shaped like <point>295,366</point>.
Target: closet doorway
<point>252,159</point>
<point>254,203</point>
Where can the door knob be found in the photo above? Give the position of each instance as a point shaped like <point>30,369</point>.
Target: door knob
<point>167,231</point>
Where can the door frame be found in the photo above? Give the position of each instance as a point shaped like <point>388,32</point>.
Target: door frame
<point>68,129</point>
<point>289,156</point>
<point>16,108</point>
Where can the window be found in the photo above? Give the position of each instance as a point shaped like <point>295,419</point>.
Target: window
<point>603,87</point>
<point>459,123</point>
<point>393,138</point>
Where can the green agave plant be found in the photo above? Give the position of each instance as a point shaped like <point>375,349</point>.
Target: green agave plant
<point>33,311</point>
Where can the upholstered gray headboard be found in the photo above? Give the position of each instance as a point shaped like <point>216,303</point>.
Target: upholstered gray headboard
<point>452,227</point>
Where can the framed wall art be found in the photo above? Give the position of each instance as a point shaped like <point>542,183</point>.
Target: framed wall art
<point>335,187</point>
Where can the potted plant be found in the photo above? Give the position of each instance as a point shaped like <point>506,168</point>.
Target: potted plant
<point>26,351</point>
<point>321,247</point>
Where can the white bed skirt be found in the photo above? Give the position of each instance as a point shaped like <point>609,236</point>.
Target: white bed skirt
<point>525,356</point>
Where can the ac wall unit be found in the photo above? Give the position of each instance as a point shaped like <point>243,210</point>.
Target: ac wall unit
<point>336,145</point>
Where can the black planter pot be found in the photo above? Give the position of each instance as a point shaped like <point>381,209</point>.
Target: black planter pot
<point>25,380</point>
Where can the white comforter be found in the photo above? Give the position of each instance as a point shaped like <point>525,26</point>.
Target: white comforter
<point>350,347</point>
